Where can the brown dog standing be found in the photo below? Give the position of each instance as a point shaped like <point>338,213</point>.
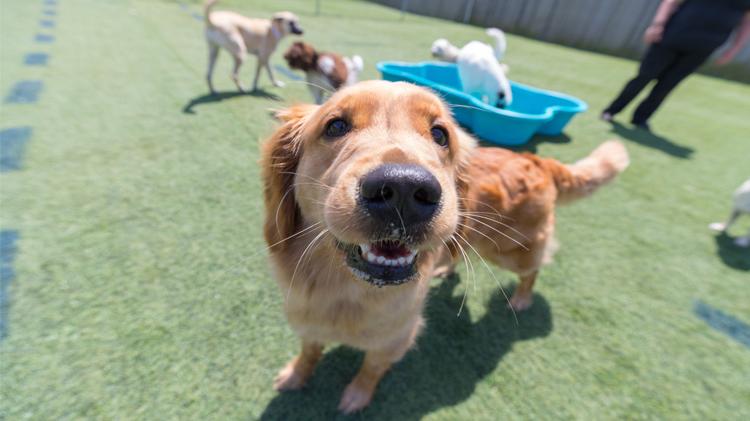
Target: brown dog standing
<point>365,193</point>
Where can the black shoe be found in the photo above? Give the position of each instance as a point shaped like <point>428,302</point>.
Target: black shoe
<point>643,125</point>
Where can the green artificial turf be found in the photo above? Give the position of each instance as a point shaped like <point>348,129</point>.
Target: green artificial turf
<point>142,289</point>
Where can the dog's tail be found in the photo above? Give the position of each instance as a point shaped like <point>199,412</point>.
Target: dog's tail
<point>357,64</point>
<point>500,42</point>
<point>207,8</point>
<point>585,176</point>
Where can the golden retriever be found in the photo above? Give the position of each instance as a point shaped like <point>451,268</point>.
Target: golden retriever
<point>366,194</point>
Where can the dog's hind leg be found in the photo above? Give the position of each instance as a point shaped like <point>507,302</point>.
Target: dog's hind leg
<point>238,60</point>
<point>724,226</point>
<point>523,295</point>
<point>295,374</point>
<point>213,53</point>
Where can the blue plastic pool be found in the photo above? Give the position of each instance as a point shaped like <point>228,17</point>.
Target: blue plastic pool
<point>533,111</point>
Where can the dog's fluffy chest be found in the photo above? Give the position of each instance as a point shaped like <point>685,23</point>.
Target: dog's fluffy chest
<point>325,303</point>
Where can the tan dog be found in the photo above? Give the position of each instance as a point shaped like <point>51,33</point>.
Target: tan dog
<point>368,190</point>
<point>240,35</point>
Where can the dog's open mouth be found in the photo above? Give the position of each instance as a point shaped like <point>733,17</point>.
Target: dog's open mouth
<point>381,263</point>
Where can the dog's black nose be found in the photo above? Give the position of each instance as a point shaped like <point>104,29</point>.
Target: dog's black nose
<point>400,194</point>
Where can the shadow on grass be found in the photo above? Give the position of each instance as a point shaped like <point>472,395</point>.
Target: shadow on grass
<point>451,357</point>
<point>731,254</point>
<point>221,96</point>
<point>652,140</point>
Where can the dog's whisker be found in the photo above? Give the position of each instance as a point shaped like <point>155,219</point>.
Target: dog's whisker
<point>480,233</point>
<point>292,236</point>
<point>466,260</point>
<point>499,222</point>
<point>314,180</point>
<point>466,106</point>
<point>278,208</point>
<point>312,184</point>
<point>487,267</point>
<point>304,82</point>
<point>499,232</point>
<point>301,258</point>
<point>497,212</point>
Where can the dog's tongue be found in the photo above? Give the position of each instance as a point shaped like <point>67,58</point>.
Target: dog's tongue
<point>390,249</point>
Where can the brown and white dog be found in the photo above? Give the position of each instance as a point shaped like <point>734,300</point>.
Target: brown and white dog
<point>240,35</point>
<point>376,188</point>
<point>325,72</point>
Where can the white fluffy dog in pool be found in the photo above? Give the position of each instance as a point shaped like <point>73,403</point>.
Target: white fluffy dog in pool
<point>478,67</point>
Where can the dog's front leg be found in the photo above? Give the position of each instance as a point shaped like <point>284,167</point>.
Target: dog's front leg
<point>359,392</point>
<point>257,74</point>
<point>295,374</point>
<point>276,83</point>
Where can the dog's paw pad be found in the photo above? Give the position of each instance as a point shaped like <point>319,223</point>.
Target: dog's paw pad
<point>717,226</point>
<point>520,302</point>
<point>354,399</point>
<point>288,379</point>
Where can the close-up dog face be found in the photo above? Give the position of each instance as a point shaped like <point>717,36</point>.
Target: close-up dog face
<point>378,167</point>
<point>286,23</point>
<point>301,56</point>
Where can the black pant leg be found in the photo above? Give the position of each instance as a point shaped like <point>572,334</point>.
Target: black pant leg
<point>685,64</point>
<point>655,61</point>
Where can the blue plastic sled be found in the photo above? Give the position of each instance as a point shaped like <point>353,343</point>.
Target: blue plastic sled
<point>533,111</point>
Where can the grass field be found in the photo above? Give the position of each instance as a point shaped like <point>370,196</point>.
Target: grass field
<point>141,289</point>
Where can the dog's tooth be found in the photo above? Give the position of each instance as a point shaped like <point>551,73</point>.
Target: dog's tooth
<point>410,258</point>
<point>365,248</point>
<point>381,259</point>
<point>402,261</point>
<point>371,257</point>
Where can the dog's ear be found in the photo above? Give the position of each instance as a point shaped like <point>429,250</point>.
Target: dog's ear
<point>465,147</point>
<point>279,158</point>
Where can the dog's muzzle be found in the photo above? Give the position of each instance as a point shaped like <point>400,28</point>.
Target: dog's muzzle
<point>296,30</point>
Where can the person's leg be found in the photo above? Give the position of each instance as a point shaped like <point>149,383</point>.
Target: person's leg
<point>656,59</point>
<point>685,64</point>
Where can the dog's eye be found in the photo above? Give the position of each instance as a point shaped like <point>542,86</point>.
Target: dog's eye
<point>337,128</point>
<point>439,135</point>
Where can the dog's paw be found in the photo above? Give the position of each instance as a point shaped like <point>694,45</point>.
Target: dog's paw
<point>718,226</point>
<point>279,84</point>
<point>519,302</point>
<point>742,241</point>
<point>288,379</point>
<point>355,398</point>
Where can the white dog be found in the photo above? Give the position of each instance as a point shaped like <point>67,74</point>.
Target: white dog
<point>478,67</point>
<point>741,205</point>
